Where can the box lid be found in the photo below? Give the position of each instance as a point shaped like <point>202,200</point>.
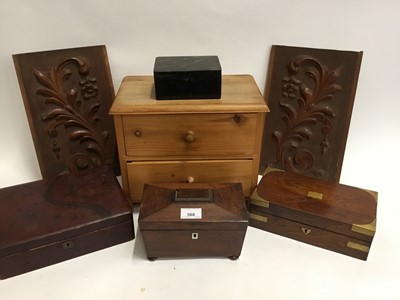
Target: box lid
<point>331,206</point>
<point>209,206</point>
<point>46,211</point>
<point>176,64</point>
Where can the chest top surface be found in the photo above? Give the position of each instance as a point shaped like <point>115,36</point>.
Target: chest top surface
<point>240,93</point>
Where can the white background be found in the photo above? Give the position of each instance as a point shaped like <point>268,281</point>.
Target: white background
<point>240,33</point>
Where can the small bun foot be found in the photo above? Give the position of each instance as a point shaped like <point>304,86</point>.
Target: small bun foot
<point>152,258</point>
<point>233,257</point>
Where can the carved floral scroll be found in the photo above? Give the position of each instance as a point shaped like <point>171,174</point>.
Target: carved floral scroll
<point>67,96</point>
<point>311,99</point>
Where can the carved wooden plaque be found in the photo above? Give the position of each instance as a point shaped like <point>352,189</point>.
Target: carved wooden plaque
<point>310,93</point>
<point>67,96</point>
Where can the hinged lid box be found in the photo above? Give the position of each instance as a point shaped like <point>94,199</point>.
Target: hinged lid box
<point>49,221</point>
<point>187,77</point>
<point>329,215</point>
<point>196,219</point>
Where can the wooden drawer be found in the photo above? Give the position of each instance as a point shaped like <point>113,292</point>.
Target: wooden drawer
<point>190,135</point>
<point>216,171</point>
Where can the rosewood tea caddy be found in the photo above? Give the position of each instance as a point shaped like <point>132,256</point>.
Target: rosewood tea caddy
<point>193,220</point>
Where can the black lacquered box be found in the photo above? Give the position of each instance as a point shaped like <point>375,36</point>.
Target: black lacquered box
<point>187,77</point>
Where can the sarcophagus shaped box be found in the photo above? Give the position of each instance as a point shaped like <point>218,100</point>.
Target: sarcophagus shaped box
<point>197,219</point>
<point>49,221</point>
<point>328,215</point>
<point>187,77</point>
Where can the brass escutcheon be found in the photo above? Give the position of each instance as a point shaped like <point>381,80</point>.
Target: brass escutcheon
<point>68,245</point>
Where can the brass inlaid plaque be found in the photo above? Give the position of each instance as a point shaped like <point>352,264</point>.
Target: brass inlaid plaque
<point>315,195</point>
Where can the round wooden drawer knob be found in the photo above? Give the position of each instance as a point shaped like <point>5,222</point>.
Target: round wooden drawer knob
<point>190,137</point>
<point>190,179</point>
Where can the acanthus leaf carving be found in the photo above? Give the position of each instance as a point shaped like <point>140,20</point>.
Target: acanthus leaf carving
<point>65,109</point>
<point>305,105</point>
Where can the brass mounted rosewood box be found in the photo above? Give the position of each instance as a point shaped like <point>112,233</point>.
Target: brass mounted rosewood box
<point>49,221</point>
<point>328,215</point>
<point>190,220</point>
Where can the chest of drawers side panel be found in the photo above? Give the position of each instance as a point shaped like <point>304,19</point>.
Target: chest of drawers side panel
<point>257,149</point>
<point>119,133</point>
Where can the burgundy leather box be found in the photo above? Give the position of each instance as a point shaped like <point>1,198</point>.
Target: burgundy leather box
<point>46,222</point>
<point>193,219</point>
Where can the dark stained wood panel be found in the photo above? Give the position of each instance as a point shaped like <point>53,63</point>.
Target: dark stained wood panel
<point>310,93</point>
<point>67,96</point>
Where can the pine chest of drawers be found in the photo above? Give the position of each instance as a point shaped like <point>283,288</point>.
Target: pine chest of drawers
<point>188,140</point>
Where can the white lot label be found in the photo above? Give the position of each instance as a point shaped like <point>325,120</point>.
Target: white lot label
<point>190,213</point>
